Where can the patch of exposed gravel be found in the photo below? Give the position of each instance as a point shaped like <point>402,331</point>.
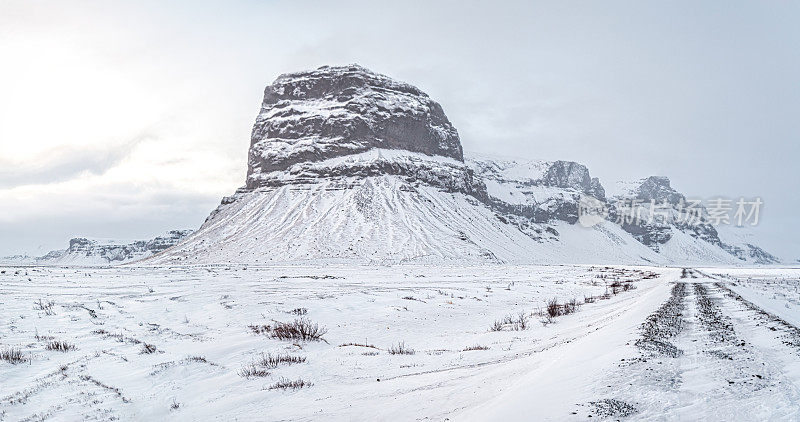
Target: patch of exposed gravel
<point>665,323</point>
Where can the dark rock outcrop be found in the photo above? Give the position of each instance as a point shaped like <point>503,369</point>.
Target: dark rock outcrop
<point>569,174</point>
<point>657,188</point>
<point>336,111</point>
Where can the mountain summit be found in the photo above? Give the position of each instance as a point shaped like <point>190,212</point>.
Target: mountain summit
<point>337,111</point>
<point>349,165</point>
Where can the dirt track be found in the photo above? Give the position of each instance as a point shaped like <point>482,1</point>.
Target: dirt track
<point>707,354</point>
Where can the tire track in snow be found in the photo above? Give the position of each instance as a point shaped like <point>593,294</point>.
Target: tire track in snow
<point>702,359</point>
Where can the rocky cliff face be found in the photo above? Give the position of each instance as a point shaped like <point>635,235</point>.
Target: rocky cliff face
<point>651,211</point>
<point>345,163</point>
<point>348,123</point>
<point>540,191</point>
<point>571,175</point>
<point>662,213</point>
<point>337,111</point>
<point>656,188</point>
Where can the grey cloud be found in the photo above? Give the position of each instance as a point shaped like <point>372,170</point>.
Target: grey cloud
<point>64,163</point>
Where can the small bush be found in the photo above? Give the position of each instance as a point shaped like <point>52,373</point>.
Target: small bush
<point>570,307</point>
<point>47,307</point>
<point>272,361</point>
<point>285,384</point>
<point>299,329</point>
<point>251,370</point>
<point>520,323</point>
<point>12,355</point>
<point>41,337</point>
<point>60,346</point>
<point>475,347</point>
<point>401,349</point>
<point>371,346</point>
<point>299,311</point>
<point>148,348</point>
<point>260,329</point>
<point>553,308</point>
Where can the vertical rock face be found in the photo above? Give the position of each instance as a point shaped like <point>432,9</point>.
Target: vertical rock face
<point>657,188</point>
<point>654,229</point>
<point>672,217</point>
<point>568,174</point>
<point>540,191</point>
<point>336,111</point>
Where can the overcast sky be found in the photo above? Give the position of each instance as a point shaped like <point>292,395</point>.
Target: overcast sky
<point>127,119</point>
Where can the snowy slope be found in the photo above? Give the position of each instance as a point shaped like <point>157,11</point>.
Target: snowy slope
<point>384,219</point>
<point>742,241</point>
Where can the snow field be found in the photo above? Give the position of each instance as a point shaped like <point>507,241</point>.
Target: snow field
<point>159,342</point>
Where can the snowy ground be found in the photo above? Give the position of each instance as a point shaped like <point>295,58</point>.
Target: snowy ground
<point>178,343</point>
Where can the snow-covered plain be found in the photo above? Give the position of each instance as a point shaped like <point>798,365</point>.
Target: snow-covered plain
<point>154,343</point>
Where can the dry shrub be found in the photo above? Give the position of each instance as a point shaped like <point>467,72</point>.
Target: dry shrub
<point>401,349</point>
<point>299,329</point>
<point>475,347</point>
<point>251,370</point>
<point>371,346</point>
<point>13,356</point>
<point>272,361</point>
<point>520,323</point>
<point>47,307</point>
<point>60,346</point>
<point>285,384</point>
<point>570,307</point>
<point>553,308</point>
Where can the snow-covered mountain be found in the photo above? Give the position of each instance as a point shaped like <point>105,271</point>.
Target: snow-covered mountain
<point>670,224</point>
<point>349,165</point>
<point>84,251</point>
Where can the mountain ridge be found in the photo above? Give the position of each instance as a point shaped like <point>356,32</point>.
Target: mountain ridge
<point>86,251</point>
<point>348,164</point>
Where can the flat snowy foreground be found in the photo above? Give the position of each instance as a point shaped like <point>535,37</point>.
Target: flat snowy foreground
<point>399,343</point>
